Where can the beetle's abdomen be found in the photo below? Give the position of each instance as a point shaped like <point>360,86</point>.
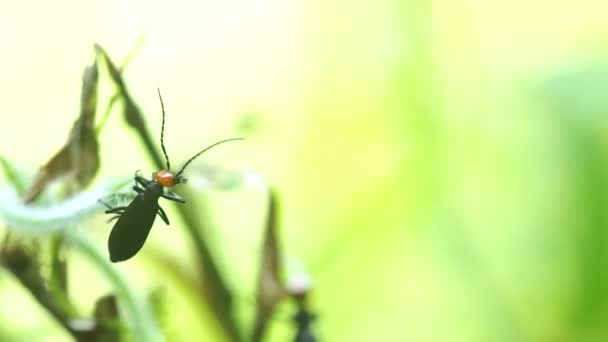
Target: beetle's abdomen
<point>131,230</point>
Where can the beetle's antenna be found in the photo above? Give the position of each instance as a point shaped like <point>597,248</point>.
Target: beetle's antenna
<point>203,151</point>
<point>162,131</point>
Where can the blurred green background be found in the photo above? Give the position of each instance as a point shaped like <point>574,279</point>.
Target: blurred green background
<point>442,166</point>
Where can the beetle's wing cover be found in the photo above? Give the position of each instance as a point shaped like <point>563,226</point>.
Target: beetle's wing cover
<point>131,229</point>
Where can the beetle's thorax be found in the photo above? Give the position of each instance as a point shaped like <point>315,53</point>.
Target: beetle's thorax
<point>153,191</point>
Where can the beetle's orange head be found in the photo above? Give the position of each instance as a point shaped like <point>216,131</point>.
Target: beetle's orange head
<point>167,178</point>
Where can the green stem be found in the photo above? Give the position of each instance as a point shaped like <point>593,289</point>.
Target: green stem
<point>216,290</point>
<point>136,310</point>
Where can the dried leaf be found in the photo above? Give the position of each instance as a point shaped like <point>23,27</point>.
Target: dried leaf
<point>270,288</point>
<point>79,157</point>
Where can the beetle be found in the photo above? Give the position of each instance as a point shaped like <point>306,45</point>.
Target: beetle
<point>136,219</point>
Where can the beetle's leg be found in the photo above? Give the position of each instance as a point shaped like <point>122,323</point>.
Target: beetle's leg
<point>116,210</point>
<point>104,203</point>
<point>138,189</point>
<point>173,197</point>
<point>142,181</point>
<point>162,215</point>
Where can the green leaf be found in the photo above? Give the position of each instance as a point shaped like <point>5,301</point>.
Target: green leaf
<point>14,176</point>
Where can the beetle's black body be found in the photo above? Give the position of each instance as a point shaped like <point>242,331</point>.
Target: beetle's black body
<point>136,219</point>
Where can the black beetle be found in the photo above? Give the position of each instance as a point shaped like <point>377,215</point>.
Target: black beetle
<point>135,220</point>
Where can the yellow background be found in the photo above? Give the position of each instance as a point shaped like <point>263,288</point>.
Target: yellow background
<point>435,160</point>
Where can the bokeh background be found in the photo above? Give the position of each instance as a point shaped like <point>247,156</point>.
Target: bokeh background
<point>442,165</point>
